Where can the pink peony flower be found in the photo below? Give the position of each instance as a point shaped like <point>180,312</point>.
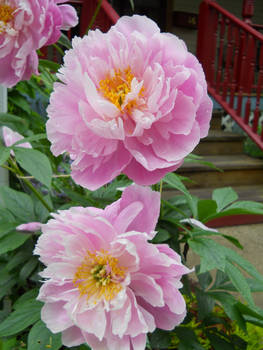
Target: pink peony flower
<point>105,284</point>
<point>10,137</point>
<point>133,100</point>
<point>26,26</point>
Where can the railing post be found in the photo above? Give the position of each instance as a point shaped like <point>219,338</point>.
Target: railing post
<point>206,29</point>
<point>248,10</point>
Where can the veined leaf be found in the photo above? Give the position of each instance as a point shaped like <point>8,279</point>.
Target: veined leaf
<point>223,197</point>
<point>35,163</point>
<point>18,320</point>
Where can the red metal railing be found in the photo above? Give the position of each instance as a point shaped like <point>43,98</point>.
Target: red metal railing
<point>231,53</point>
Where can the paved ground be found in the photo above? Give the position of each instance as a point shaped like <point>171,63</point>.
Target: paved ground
<point>251,237</point>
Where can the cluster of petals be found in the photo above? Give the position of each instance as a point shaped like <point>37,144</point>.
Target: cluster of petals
<point>26,26</point>
<point>132,100</point>
<point>142,278</point>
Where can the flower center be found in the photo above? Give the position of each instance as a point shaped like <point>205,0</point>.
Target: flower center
<point>99,276</point>
<point>6,13</point>
<point>117,87</point>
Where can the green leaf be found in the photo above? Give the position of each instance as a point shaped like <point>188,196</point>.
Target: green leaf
<point>35,163</point>
<point>254,285</point>
<point>4,154</point>
<point>8,344</point>
<point>229,305</point>
<point>234,241</point>
<point>193,158</point>
<point>18,320</point>
<point>223,197</point>
<point>20,101</point>
<point>64,41</point>
<point>243,263</point>
<point>205,303</point>
<point>18,259</point>
<point>30,295</point>
<point>161,236</point>
<point>40,338</point>
<point>18,203</point>
<point>246,310</point>
<point>239,282</point>
<point>36,137</point>
<point>175,182</point>
<point>53,66</point>
<point>220,280</point>
<point>206,208</point>
<point>28,268</point>
<point>12,241</point>
<point>160,339</point>
<point>14,122</point>
<point>205,279</point>
<point>6,227</point>
<point>210,253</point>
<point>188,339</point>
<point>218,342</point>
<point>239,208</point>
<point>7,281</point>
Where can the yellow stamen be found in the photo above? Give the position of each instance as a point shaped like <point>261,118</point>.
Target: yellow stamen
<point>6,13</point>
<point>117,87</point>
<point>99,276</point>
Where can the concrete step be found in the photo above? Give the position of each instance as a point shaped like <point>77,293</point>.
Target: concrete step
<point>216,119</point>
<point>220,142</point>
<point>238,170</point>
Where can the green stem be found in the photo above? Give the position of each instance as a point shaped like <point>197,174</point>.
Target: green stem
<point>94,16</point>
<point>8,168</point>
<point>17,171</point>
<point>168,204</point>
<point>58,49</point>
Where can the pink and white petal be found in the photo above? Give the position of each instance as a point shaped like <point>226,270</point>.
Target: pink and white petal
<point>88,173</point>
<point>139,342</point>
<point>95,343</point>
<point>69,17</point>
<point>171,43</point>
<point>126,253</point>
<point>138,324</point>
<point>92,321</point>
<point>72,337</point>
<point>136,172</point>
<point>183,116</point>
<point>120,319</point>
<point>56,317</point>
<point>146,219</point>
<point>52,291</point>
<point>164,318</point>
<point>127,215</point>
<point>60,271</point>
<point>203,115</point>
<point>178,146</point>
<point>141,24</point>
<point>146,287</point>
<point>145,155</point>
<point>100,105</point>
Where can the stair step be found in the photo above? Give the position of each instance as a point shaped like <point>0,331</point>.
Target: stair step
<point>245,193</point>
<point>216,119</point>
<point>237,170</point>
<point>220,142</point>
